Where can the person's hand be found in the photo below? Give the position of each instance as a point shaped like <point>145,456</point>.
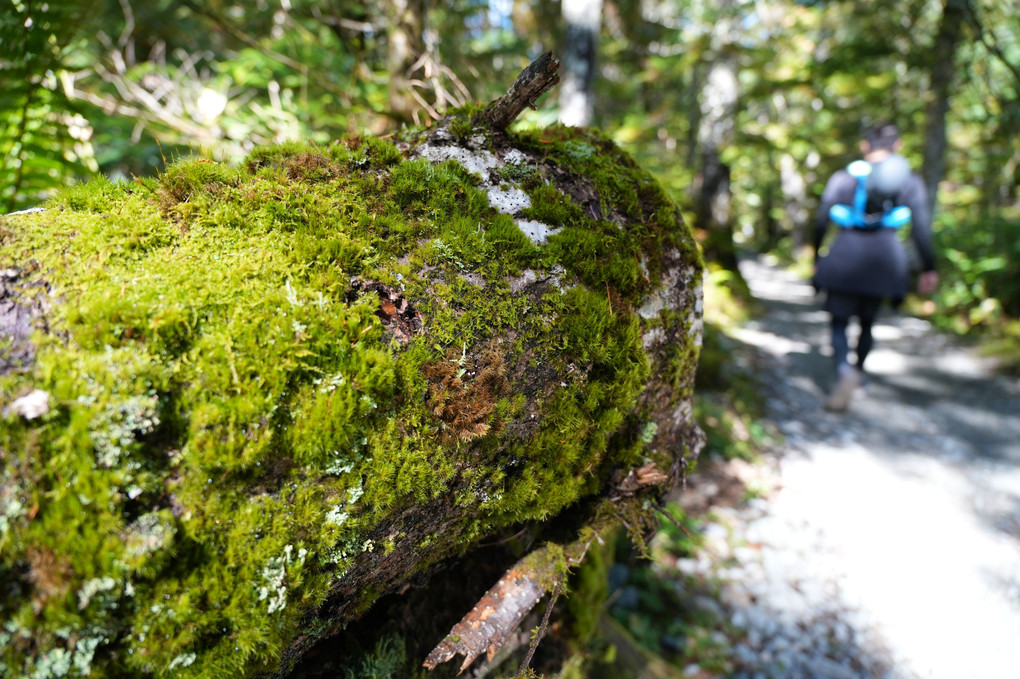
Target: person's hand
<point>927,282</point>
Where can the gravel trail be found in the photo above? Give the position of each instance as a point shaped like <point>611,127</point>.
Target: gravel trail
<point>884,541</point>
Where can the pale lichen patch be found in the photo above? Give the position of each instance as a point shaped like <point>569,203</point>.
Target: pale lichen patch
<point>275,575</point>
<point>93,587</point>
<point>32,405</point>
<point>149,533</point>
<point>508,200</point>
<point>477,162</point>
<point>527,277</point>
<point>668,294</point>
<point>473,279</point>
<point>653,337</point>
<point>537,231</point>
<point>514,157</point>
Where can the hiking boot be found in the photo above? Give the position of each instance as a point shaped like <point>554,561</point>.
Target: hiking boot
<point>839,399</point>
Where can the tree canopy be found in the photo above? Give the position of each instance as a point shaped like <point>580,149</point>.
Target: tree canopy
<point>120,87</point>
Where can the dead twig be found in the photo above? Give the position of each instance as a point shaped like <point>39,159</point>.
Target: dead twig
<point>672,519</point>
<point>534,81</point>
<point>541,630</point>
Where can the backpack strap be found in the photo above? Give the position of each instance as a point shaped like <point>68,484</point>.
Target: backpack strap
<point>855,217</point>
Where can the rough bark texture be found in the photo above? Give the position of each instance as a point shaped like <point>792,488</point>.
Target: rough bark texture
<point>17,316</point>
<point>497,615</point>
<point>534,81</point>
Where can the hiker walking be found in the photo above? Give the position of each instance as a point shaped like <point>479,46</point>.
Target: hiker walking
<point>869,201</point>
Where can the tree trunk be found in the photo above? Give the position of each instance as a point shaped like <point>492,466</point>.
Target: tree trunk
<point>954,16</point>
<point>693,108</point>
<point>794,188</point>
<point>405,44</point>
<point>713,214</point>
<point>583,19</point>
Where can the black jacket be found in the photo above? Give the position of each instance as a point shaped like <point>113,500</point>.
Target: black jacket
<point>871,262</point>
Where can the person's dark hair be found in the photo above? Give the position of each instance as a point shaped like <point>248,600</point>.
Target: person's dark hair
<point>883,136</point>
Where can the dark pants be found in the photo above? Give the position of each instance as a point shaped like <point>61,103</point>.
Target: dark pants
<point>842,307</point>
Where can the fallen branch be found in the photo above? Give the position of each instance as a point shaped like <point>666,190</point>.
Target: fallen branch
<point>499,612</point>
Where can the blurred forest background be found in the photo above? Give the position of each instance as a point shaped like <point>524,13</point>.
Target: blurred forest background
<point>742,108</point>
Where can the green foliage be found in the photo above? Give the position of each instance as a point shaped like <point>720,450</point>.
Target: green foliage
<point>980,283</point>
<point>44,141</point>
<point>728,404</point>
<point>589,588</point>
<point>842,67</point>
<point>655,604</point>
<point>982,272</point>
<point>387,660</point>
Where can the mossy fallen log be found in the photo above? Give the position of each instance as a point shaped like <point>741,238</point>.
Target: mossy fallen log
<point>242,403</point>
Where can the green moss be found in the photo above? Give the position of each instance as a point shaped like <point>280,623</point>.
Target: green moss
<point>236,424</point>
<point>593,244</point>
<point>589,589</point>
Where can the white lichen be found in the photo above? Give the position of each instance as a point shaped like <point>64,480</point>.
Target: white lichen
<point>52,664</point>
<point>84,651</point>
<point>510,200</point>
<point>120,425</point>
<point>292,296</point>
<point>182,660</point>
<point>31,406</point>
<point>649,431</point>
<point>275,575</point>
<point>507,198</point>
<point>514,157</point>
<point>147,534</point>
<point>327,385</point>
<point>527,277</point>
<point>536,231</point>
<point>10,507</point>
<point>340,464</point>
<point>337,516</point>
<point>93,587</point>
<point>476,162</point>
<point>669,294</point>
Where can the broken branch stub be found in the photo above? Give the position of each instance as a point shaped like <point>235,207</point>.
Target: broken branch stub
<point>534,81</point>
<point>491,621</point>
<point>498,613</point>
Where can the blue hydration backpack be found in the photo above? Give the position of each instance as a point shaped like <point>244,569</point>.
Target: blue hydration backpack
<point>856,216</point>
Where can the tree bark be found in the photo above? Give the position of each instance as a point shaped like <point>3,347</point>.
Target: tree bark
<point>405,44</point>
<point>538,78</point>
<point>583,20</point>
<point>954,15</point>
<point>713,214</point>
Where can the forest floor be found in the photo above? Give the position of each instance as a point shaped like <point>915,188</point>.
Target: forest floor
<point>880,542</point>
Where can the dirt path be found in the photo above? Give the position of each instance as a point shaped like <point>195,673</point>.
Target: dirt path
<point>886,540</point>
